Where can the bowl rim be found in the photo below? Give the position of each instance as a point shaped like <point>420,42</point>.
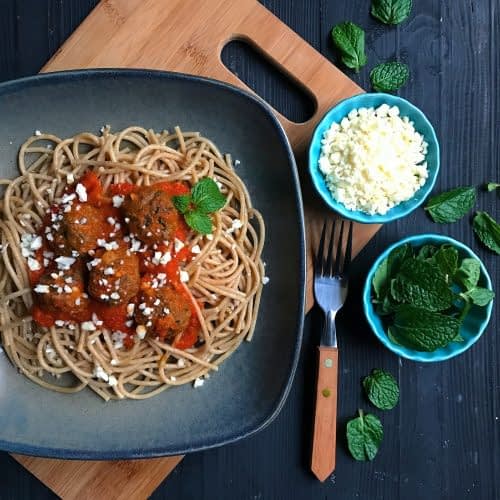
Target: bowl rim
<point>404,351</point>
<point>313,159</point>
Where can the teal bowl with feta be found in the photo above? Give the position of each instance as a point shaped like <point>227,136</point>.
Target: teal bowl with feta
<point>374,100</point>
<point>474,323</point>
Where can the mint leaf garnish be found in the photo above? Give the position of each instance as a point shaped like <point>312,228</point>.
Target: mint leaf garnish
<point>424,330</point>
<point>491,186</point>
<point>389,76</point>
<point>422,284</point>
<point>206,196</point>
<point>182,202</point>
<point>468,273</point>
<point>204,199</point>
<point>350,40</point>
<point>480,296</point>
<point>487,230</point>
<point>391,11</point>
<point>364,436</point>
<point>446,259</point>
<point>201,223</point>
<point>381,389</point>
<point>451,206</point>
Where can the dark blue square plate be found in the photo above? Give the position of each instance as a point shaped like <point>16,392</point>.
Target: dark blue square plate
<point>251,386</point>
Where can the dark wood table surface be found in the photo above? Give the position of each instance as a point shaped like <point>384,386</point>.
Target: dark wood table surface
<point>443,440</point>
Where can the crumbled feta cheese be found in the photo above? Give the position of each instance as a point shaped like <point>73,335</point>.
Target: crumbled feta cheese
<point>33,264</point>
<point>118,338</point>
<point>173,379</point>
<point>100,373</point>
<point>114,362</point>
<point>236,224</point>
<point>373,160</point>
<point>112,381</point>
<point>70,178</point>
<point>265,280</point>
<point>130,309</point>
<point>195,249</point>
<point>109,271</point>
<point>81,191</point>
<point>37,133</point>
<point>184,276</point>
<point>117,201</point>
<point>64,263</point>
<point>68,289</point>
<point>115,296</point>
<point>141,331</point>
<point>59,322</point>
<point>88,326</point>
<point>178,245</point>
<point>41,289</point>
<point>181,363</point>
<point>198,382</point>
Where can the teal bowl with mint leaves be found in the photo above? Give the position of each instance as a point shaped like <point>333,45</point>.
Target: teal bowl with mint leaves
<point>428,298</point>
<point>374,100</point>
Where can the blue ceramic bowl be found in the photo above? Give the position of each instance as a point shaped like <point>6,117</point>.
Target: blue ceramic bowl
<point>473,326</point>
<point>335,115</point>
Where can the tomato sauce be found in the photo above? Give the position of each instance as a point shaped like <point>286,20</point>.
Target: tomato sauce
<point>114,317</point>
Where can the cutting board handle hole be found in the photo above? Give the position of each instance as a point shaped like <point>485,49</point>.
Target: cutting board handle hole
<point>280,90</point>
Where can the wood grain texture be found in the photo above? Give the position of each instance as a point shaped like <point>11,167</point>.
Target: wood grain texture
<point>325,413</point>
<point>91,480</point>
<point>443,440</point>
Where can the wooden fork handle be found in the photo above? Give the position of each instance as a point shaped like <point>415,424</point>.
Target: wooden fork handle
<point>325,416</point>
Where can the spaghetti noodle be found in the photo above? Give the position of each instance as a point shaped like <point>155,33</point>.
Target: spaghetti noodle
<point>225,274</point>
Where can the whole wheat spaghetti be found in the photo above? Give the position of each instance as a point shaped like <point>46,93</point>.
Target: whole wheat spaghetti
<point>225,275</point>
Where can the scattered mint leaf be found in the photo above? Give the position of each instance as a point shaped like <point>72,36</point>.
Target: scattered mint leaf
<point>364,436</point>
<point>381,389</point>
<point>204,199</point>
<point>491,186</point>
<point>487,230</point>
<point>350,40</point>
<point>182,202</point>
<point>389,76</point>
<point>199,222</point>
<point>451,206</point>
<point>206,196</point>
<point>480,296</point>
<point>422,284</point>
<point>468,273</point>
<point>423,330</point>
<point>391,11</point>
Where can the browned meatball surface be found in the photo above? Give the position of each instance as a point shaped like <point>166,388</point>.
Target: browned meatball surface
<point>114,276</point>
<point>79,230</point>
<point>163,311</point>
<point>152,215</point>
<point>64,290</point>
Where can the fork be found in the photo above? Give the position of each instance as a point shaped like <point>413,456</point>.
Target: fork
<point>330,291</point>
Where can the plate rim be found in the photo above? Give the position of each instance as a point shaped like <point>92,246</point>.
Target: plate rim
<point>24,448</point>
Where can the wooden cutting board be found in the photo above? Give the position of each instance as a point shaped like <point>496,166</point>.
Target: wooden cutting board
<point>188,36</point>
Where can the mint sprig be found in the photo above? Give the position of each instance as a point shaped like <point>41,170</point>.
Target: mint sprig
<point>349,39</point>
<point>205,198</point>
<point>391,11</point>
<point>389,76</point>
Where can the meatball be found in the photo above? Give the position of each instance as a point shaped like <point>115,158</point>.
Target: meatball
<point>79,230</point>
<point>163,311</point>
<point>152,215</point>
<point>63,291</point>
<point>114,276</point>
